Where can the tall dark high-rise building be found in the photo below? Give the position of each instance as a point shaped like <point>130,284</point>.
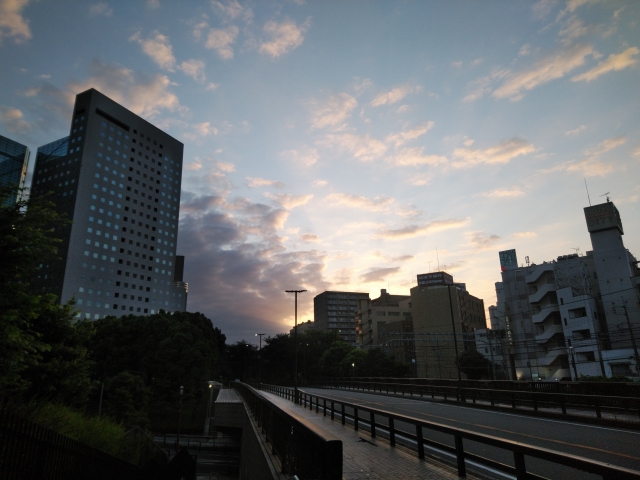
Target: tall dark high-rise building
<point>335,312</point>
<point>117,177</point>
<point>14,160</point>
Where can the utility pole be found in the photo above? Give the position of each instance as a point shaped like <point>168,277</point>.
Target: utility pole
<point>573,359</point>
<point>455,339</point>
<point>179,419</point>
<point>295,341</point>
<point>493,373</point>
<point>633,338</point>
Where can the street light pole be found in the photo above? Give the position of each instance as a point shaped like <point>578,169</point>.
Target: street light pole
<point>455,339</point>
<point>295,341</point>
<point>260,359</point>
<point>179,418</point>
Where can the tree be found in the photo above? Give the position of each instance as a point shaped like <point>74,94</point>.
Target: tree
<point>474,365</point>
<point>331,362</point>
<point>126,400</point>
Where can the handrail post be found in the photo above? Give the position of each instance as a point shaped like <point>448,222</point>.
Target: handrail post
<point>324,407</point>
<point>355,418</point>
<point>521,469</point>
<point>343,415</point>
<point>373,423</point>
<point>462,469</point>
<point>333,410</point>
<point>419,441</point>
<point>392,432</point>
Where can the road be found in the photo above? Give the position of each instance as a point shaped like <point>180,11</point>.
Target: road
<point>610,445</point>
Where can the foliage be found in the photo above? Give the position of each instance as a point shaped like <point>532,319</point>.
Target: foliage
<point>126,400</point>
<point>474,365</point>
<point>165,350</point>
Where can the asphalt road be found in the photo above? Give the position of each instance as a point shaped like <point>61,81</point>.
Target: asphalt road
<point>610,445</point>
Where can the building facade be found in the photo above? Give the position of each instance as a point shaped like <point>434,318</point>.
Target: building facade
<point>14,161</point>
<point>334,312</point>
<point>371,314</point>
<point>445,317</point>
<point>117,177</point>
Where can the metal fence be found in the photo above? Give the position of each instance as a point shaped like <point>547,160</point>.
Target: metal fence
<point>30,451</point>
<point>388,424</point>
<point>612,408</point>
<point>302,449</point>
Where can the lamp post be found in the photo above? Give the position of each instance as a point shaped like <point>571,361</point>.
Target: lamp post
<point>295,341</point>
<point>260,359</point>
<point>179,418</point>
<point>353,370</point>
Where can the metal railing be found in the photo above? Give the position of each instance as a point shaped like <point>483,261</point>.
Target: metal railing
<point>302,448</point>
<point>30,451</point>
<point>618,408</point>
<point>383,422</point>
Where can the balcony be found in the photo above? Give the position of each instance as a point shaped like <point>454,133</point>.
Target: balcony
<point>542,291</point>
<point>538,270</point>
<point>551,357</point>
<point>542,315</point>
<point>545,336</point>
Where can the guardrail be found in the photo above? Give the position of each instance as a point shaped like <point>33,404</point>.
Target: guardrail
<point>625,409</point>
<point>384,422</point>
<point>302,449</point>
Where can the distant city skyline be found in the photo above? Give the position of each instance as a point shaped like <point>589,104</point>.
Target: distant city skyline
<point>336,145</point>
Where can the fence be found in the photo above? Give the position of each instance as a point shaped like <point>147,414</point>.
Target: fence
<point>302,449</point>
<point>618,408</point>
<point>30,451</point>
<point>387,423</point>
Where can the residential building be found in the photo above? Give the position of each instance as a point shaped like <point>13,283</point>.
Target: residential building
<point>118,178</point>
<point>370,314</point>
<point>334,312</point>
<point>14,160</point>
<point>445,316</point>
<point>397,339</point>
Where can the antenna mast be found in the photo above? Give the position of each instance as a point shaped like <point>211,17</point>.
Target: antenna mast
<point>585,186</point>
<point>606,195</point>
<point>438,258</point>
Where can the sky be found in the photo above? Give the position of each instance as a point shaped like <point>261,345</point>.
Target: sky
<point>350,146</point>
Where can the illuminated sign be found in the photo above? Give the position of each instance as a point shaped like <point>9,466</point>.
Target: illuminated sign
<point>508,260</point>
<point>436,278</point>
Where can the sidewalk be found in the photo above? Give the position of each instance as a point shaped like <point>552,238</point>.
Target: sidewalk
<point>372,459</point>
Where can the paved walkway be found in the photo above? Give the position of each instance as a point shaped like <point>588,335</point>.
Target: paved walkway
<point>371,458</point>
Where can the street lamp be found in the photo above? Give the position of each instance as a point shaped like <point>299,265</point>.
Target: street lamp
<point>260,359</point>
<point>353,370</point>
<point>179,418</point>
<point>295,341</point>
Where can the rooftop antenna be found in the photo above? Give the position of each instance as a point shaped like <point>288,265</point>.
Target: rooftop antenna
<point>526,259</point>
<point>585,186</point>
<point>577,249</point>
<point>606,195</point>
<point>438,258</point>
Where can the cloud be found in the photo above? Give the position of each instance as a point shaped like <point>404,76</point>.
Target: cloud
<point>363,148</point>
<point>524,50</point>
<point>401,137</point>
<point>320,183</point>
<point>592,165</point>
<point>195,69</point>
<point>524,235</point>
<point>411,231</point>
<point>606,145</point>
<point>158,48</point>
<point>13,120</point>
<point>308,157</point>
<point>573,28</point>
<point>573,5</point>
<point>413,157</point>
<point>542,8</point>
<point>153,4</point>
<point>552,67</point>
<point>204,129</point>
<point>576,131</point>
<point>12,23</point>
<point>420,179</point>
<point>102,9</point>
<point>479,87</point>
<point>309,238</point>
<point>255,182</point>
<point>612,63</point>
<point>201,204</point>
<point>212,86</point>
<point>378,274</point>
<point>233,10</point>
<point>221,40</point>
<point>333,112</point>
<point>144,95</point>
<point>504,192</point>
<point>288,201</point>
<point>503,152</point>
<point>636,152</point>
<point>394,95</point>
<point>226,167</point>
<point>480,241</point>
<point>376,204</point>
<point>457,64</point>
<point>284,37</point>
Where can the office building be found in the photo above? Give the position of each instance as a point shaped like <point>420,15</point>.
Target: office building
<point>370,314</point>
<point>334,312</point>
<point>118,178</point>
<point>445,317</point>
<point>578,315</point>
<point>14,160</point>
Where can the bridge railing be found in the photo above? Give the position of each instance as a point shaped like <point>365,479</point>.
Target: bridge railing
<point>625,409</point>
<point>302,448</point>
<point>388,424</point>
